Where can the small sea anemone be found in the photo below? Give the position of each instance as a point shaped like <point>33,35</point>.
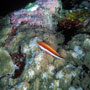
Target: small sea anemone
<point>73,19</point>
<point>19,63</point>
<point>67,24</point>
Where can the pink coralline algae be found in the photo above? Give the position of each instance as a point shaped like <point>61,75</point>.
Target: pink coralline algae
<point>50,4</point>
<point>42,16</point>
<point>32,18</point>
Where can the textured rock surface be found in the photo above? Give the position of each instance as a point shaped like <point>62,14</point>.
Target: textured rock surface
<point>6,64</point>
<point>36,69</point>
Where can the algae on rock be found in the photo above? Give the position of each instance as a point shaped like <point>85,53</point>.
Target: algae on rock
<point>6,63</point>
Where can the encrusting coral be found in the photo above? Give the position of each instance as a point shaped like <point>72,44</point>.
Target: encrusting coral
<point>29,67</point>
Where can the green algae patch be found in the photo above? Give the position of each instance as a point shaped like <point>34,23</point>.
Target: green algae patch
<point>6,64</point>
<point>81,15</point>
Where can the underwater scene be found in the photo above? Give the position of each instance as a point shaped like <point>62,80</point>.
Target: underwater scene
<point>46,46</point>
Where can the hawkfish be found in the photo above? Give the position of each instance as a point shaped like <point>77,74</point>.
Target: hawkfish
<point>49,50</point>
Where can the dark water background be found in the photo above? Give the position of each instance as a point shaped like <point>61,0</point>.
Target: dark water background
<point>7,6</point>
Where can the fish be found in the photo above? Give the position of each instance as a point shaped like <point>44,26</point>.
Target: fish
<point>49,49</point>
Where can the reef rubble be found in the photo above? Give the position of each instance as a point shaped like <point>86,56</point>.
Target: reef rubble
<point>25,66</point>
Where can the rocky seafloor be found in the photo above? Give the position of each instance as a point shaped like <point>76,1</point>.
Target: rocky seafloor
<point>25,66</point>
